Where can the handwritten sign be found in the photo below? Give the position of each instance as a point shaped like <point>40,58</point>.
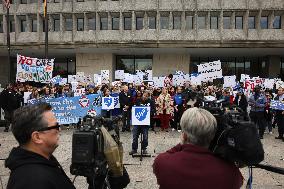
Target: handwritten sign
<point>34,69</point>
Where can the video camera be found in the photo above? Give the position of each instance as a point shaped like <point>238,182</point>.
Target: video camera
<point>88,157</point>
<point>236,139</point>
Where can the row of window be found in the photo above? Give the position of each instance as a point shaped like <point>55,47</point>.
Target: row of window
<point>54,22</point>
<point>52,1</point>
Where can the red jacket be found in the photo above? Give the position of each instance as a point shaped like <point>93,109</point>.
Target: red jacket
<point>192,167</point>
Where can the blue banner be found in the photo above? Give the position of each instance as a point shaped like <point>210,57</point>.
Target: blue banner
<point>69,110</point>
<point>276,105</point>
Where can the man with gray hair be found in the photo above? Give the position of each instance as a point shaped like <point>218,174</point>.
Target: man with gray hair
<point>190,164</point>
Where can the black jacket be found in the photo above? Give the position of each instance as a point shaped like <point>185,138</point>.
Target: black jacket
<point>125,100</point>
<point>33,171</point>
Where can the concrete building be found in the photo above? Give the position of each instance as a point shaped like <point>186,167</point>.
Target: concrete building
<point>162,35</point>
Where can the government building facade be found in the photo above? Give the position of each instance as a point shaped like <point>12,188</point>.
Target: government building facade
<point>162,35</point>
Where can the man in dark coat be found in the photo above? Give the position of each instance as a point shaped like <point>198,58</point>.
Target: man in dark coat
<point>125,105</point>
<point>32,164</point>
<point>9,101</point>
<point>190,164</point>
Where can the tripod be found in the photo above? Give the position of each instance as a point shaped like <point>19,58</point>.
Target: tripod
<point>141,155</point>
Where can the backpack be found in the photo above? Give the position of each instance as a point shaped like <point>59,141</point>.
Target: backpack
<point>237,141</point>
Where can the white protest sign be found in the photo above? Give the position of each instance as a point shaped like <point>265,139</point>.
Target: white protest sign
<point>74,85</point>
<point>244,77</point>
<point>63,81</point>
<point>79,92</point>
<point>26,96</point>
<point>140,115</point>
<point>119,74</point>
<point>107,103</point>
<point>72,78</point>
<point>116,102</point>
<point>34,69</point>
<point>149,75</point>
<point>97,79</point>
<point>210,71</point>
<point>138,79</point>
<point>105,76</point>
<point>229,81</point>
<point>269,83</point>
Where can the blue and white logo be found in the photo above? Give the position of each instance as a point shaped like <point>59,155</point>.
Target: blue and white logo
<point>108,103</point>
<point>277,105</point>
<point>116,102</point>
<point>141,115</point>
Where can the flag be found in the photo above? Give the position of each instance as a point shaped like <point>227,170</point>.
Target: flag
<point>7,3</point>
<point>45,8</point>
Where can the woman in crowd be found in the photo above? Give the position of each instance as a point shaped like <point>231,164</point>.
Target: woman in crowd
<point>164,108</point>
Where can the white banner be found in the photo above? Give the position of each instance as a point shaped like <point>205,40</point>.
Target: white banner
<point>140,115</point>
<point>34,69</point>
<point>119,74</point>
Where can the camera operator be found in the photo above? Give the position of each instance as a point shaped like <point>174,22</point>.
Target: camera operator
<point>137,129</point>
<point>32,164</point>
<point>180,166</point>
<point>257,101</point>
<point>10,100</point>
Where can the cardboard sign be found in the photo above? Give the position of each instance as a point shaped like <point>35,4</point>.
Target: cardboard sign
<point>140,115</point>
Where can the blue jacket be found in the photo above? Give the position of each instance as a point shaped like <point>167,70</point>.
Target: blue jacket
<point>257,104</point>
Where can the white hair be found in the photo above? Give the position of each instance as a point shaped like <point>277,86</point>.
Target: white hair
<point>199,125</point>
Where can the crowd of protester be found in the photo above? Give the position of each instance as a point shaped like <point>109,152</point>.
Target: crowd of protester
<point>167,103</point>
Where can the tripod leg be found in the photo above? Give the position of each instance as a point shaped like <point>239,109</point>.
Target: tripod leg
<point>141,140</point>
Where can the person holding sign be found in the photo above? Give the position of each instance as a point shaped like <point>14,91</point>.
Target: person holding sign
<point>106,112</point>
<point>125,105</point>
<point>279,116</point>
<point>137,129</point>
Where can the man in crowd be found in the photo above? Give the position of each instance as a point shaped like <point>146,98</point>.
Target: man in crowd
<point>125,105</point>
<point>279,116</point>
<point>180,166</point>
<point>32,164</point>
<point>179,105</point>
<point>137,129</point>
<point>257,101</point>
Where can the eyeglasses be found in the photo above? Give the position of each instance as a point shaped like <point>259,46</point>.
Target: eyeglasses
<point>57,127</point>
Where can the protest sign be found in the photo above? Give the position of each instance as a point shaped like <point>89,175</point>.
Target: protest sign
<point>119,74</point>
<point>140,115</point>
<point>229,81</point>
<point>34,69</point>
<point>276,105</point>
<point>210,71</point>
<point>69,110</point>
<point>107,103</point>
<point>105,76</point>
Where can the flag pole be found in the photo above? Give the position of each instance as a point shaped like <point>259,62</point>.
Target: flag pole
<point>8,42</point>
<point>46,28</point>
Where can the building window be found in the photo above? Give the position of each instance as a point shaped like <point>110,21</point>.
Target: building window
<point>115,23</point>
<point>239,22</point>
<point>127,23</point>
<point>34,25</point>
<point>12,25</point>
<point>213,22</point>
<point>65,67</point>
<point>201,22</point>
<point>189,22</point>
<point>139,23</point>
<point>103,23</point>
<point>226,22</point>
<point>80,0</point>
<point>277,22</point>
<point>23,26</point>
<point>1,25</point>
<point>152,22</point>
<point>251,22</point>
<point>164,21</point>
<point>264,22</point>
<point>56,1</point>
<point>92,23</point>
<point>80,24</point>
<point>177,22</point>
<point>68,24</point>
<point>23,1</point>
<point>56,24</point>
<point>130,63</point>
